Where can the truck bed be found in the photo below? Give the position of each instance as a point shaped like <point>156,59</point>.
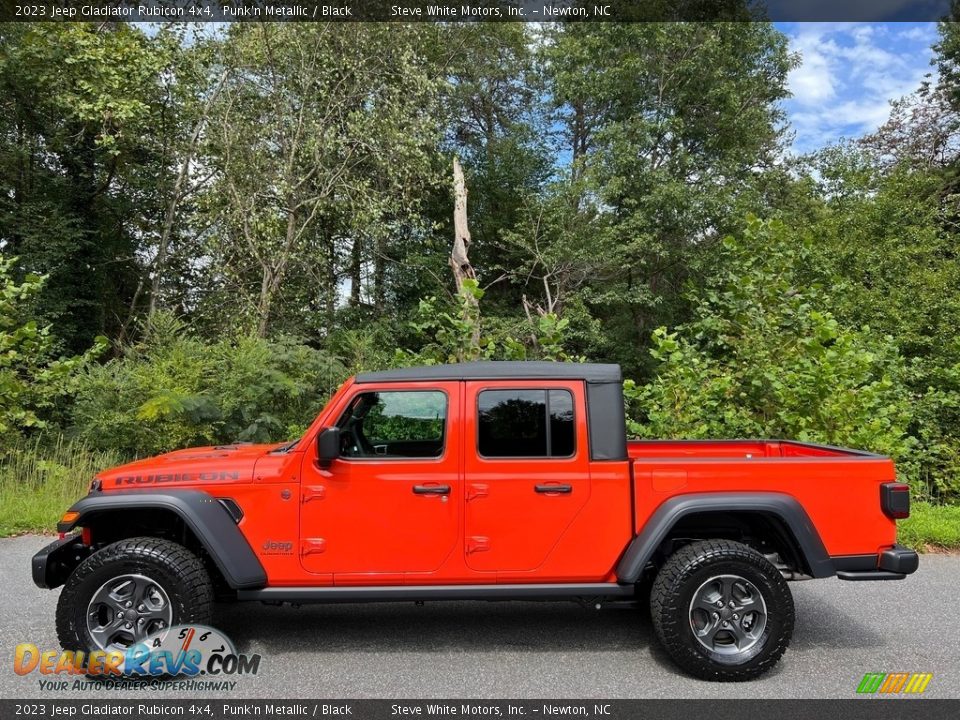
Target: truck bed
<point>740,449</point>
<point>838,488</point>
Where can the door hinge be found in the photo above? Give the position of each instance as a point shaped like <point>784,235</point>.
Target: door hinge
<point>313,546</point>
<point>477,490</point>
<point>477,543</point>
<point>313,492</point>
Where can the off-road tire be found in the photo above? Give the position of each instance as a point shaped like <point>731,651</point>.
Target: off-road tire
<point>179,573</point>
<point>684,574</point>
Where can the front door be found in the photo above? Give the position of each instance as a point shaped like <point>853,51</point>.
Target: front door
<point>389,504</point>
<point>526,471</point>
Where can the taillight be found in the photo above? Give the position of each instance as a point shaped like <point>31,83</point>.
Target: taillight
<point>895,500</point>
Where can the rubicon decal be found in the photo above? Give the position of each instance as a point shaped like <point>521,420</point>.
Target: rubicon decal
<point>894,683</point>
<point>181,650</point>
<point>159,478</point>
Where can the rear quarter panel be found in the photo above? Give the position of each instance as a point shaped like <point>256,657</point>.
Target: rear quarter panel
<point>840,494</point>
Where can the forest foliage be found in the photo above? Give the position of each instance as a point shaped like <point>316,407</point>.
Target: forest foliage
<point>202,234</point>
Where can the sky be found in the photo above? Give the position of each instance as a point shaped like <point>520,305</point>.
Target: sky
<point>849,74</point>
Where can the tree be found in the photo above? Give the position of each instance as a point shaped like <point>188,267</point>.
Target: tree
<point>494,122</point>
<point>667,125</point>
<point>87,110</point>
<point>325,132</point>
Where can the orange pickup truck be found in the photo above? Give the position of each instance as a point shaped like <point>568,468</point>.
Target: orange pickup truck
<point>488,480</point>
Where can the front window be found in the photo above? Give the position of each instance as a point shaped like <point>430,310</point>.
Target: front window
<point>394,424</point>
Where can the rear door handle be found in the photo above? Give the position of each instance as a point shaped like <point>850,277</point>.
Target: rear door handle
<point>431,489</point>
<point>564,489</point>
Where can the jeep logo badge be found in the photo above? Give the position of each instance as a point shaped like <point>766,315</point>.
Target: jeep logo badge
<point>277,547</point>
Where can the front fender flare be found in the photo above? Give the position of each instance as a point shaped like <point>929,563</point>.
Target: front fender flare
<point>783,507</point>
<point>204,515</point>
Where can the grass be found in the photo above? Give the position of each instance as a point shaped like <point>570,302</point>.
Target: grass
<point>931,527</point>
<point>40,480</point>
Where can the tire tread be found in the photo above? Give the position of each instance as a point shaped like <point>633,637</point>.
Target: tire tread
<point>669,623</point>
<point>192,579</point>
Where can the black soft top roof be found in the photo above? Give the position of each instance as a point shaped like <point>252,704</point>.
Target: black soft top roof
<point>500,370</point>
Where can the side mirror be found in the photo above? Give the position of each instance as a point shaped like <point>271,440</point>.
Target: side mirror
<point>328,446</point>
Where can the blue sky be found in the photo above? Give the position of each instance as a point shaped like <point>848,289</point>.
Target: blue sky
<point>849,75</point>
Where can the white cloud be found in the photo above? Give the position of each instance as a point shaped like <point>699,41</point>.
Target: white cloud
<point>849,74</point>
<point>812,82</point>
<point>919,33</point>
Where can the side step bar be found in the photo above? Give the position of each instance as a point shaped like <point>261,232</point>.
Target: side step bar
<point>334,594</point>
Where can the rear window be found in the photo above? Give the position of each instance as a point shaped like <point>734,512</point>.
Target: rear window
<point>525,423</point>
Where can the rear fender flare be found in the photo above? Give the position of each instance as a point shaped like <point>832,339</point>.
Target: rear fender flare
<point>783,507</point>
<point>209,521</point>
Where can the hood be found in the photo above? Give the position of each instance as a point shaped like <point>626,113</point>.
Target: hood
<point>216,464</point>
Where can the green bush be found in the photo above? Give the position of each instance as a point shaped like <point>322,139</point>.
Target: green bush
<point>173,390</point>
<point>763,358</point>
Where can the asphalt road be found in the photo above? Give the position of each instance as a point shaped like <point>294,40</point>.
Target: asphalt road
<point>534,650</point>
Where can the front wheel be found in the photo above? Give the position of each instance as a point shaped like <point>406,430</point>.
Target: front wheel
<point>722,610</point>
<point>129,590</point>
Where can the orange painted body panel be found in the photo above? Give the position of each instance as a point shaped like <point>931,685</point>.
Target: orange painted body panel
<point>510,528</point>
<point>838,489</point>
<point>368,516</point>
<point>358,521</point>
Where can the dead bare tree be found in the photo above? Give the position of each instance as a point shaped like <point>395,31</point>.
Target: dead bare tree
<point>459,257</point>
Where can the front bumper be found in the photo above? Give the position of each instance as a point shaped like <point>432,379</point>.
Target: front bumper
<point>892,564</point>
<point>52,566</point>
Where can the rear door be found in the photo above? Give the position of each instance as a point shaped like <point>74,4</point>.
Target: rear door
<point>390,503</point>
<point>526,470</point>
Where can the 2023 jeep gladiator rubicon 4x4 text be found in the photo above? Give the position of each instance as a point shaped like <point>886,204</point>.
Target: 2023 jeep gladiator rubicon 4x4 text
<point>490,480</point>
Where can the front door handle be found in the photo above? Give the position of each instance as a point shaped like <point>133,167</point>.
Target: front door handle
<point>559,489</point>
<point>431,489</point>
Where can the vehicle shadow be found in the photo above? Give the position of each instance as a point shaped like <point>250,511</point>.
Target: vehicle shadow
<point>437,626</point>
<point>822,623</point>
<point>497,626</point>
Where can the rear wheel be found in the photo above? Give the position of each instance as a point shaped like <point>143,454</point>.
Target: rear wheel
<point>129,590</point>
<point>722,610</point>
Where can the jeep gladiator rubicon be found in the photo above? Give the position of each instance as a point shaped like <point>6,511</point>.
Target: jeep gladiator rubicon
<point>487,480</point>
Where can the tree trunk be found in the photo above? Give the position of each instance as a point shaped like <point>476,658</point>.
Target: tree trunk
<point>266,300</point>
<point>380,274</point>
<point>178,193</point>
<point>459,260</point>
<point>332,289</point>
<point>356,264</point>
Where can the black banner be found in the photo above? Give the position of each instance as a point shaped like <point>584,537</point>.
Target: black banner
<point>854,709</point>
<point>480,11</point>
